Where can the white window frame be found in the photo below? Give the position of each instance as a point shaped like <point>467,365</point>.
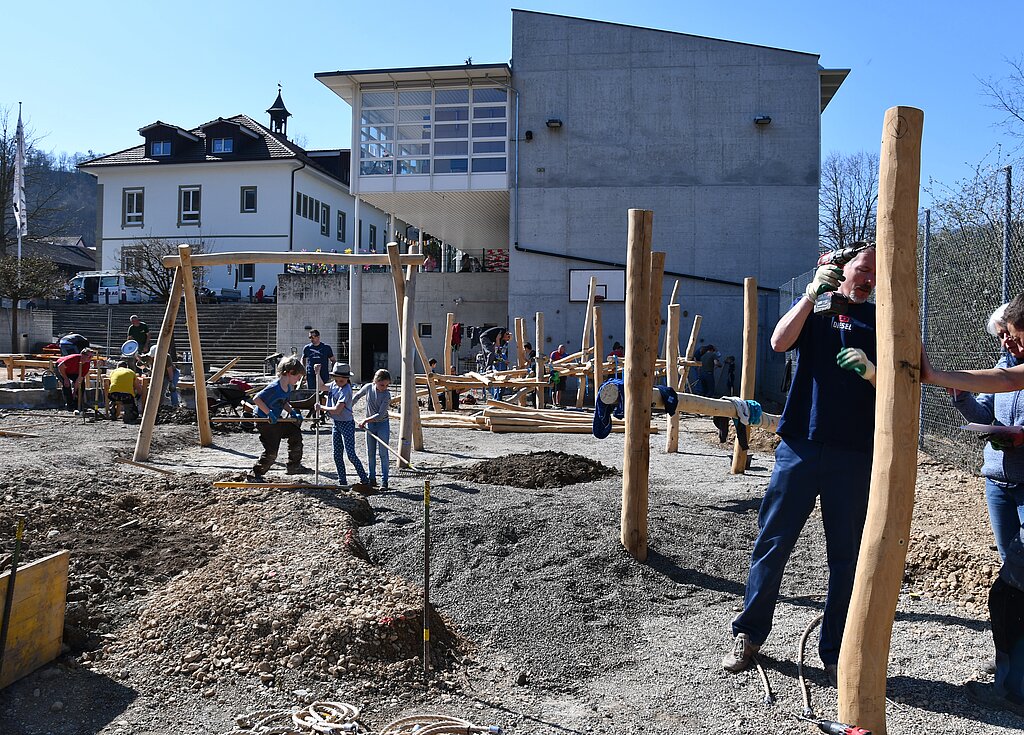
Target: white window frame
<point>192,216</point>
<point>137,195</point>
<point>243,269</point>
<point>223,145</point>
<point>255,200</point>
<point>161,152</point>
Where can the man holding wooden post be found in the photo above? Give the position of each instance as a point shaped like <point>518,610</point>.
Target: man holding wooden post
<point>827,429</point>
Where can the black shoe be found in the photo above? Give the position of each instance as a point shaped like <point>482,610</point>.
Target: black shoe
<point>297,470</point>
<point>832,674</point>
<point>987,696</point>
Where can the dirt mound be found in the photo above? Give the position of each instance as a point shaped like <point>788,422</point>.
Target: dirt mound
<point>537,470</point>
<point>180,416</point>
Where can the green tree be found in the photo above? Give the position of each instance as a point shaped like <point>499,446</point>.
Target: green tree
<point>36,278</point>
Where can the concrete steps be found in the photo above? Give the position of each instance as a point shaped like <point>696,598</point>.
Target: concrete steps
<point>248,331</point>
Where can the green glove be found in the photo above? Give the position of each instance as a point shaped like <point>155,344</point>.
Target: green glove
<point>851,358</point>
<point>826,278</point>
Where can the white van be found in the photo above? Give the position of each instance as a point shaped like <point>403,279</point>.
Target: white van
<point>105,287</point>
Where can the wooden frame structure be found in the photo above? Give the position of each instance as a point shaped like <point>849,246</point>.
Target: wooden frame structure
<point>182,287</point>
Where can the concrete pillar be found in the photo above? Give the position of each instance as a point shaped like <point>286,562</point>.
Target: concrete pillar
<point>355,306</point>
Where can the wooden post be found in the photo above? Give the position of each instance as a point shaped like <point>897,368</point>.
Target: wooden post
<point>401,283</point>
<point>639,380</point>
<point>198,370</point>
<point>883,552</point>
<point>163,343</point>
<point>598,356</point>
<point>588,318</point>
<point>542,356</point>
<point>672,368</point>
<point>448,325</point>
<point>408,419</point>
<point>739,455</point>
<point>520,327</point>
<point>672,435</point>
<point>654,312</point>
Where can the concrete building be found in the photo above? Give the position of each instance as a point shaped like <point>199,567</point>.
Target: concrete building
<point>545,156</point>
<point>230,184</point>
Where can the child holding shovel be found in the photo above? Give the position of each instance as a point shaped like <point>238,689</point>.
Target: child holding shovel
<point>377,423</point>
<point>339,407</point>
<point>272,405</point>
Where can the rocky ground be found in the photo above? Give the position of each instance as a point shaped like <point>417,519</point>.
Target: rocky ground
<point>189,604</point>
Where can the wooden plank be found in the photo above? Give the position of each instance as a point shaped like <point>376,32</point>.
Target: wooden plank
<point>291,256</point>
<point>448,328</point>
<point>37,615</point>
<point>654,312</point>
<point>122,460</point>
<point>275,485</point>
<point>598,350</point>
<point>864,656</point>
<point>221,371</point>
<point>672,376</point>
<point>542,357</point>
<point>588,321</point>
<point>198,370</point>
<point>152,405</point>
<point>739,454</point>
<point>520,326</point>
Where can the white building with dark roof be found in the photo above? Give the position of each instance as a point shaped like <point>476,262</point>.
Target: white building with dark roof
<point>231,184</point>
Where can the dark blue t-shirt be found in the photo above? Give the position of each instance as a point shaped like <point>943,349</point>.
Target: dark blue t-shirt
<point>827,403</point>
<point>274,396</point>
<point>318,355</point>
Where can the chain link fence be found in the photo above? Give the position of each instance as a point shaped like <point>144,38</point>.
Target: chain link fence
<point>970,260</point>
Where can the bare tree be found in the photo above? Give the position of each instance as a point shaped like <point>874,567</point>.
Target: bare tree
<point>848,198</point>
<point>36,278</point>
<point>1007,96</point>
<point>142,264</point>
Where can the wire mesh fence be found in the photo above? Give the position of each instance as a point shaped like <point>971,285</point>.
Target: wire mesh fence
<point>970,260</point>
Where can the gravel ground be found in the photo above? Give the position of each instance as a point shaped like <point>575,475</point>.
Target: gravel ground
<point>193,604</point>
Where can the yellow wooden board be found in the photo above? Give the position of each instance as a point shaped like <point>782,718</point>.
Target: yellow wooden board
<point>37,615</point>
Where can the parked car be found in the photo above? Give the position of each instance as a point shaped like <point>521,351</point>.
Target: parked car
<point>105,287</point>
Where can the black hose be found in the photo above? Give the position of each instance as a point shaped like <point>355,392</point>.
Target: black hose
<point>804,690</point>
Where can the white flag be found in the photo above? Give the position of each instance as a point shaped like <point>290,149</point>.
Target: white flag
<point>18,202</point>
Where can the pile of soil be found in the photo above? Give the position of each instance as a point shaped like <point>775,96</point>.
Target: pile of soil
<point>180,416</point>
<point>537,470</point>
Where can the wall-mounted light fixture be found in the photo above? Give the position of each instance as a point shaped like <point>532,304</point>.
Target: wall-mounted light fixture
<point>528,135</point>
<point>553,122</point>
<point>762,120</point>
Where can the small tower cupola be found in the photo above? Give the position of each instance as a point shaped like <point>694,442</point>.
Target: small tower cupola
<point>279,116</point>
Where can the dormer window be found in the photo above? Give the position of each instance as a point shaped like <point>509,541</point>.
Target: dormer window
<point>223,145</point>
<point>160,148</point>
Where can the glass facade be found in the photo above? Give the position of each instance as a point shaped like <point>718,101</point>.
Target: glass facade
<point>454,130</point>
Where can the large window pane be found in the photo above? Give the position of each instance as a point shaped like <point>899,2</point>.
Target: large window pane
<point>414,166</point>
<point>414,115</point>
<point>414,132</point>
<point>489,94</point>
<point>414,97</point>
<point>483,113</point>
<point>451,114</point>
<point>384,132</point>
<point>376,150</point>
<point>489,130</point>
<point>414,149</point>
<point>485,165</point>
<point>488,146</point>
<point>451,148</point>
<point>375,168</point>
<point>376,117</point>
<point>451,131</point>
<point>450,165</point>
<point>378,99</point>
<point>451,96</point>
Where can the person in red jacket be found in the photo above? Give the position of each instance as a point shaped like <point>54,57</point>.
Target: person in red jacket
<point>71,370</point>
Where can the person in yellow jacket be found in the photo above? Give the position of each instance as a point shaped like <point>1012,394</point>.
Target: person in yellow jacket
<point>125,385</point>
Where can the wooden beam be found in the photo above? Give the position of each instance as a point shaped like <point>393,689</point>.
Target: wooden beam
<point>542,355</point>
<point>638,384</point>
<point>588,320</point>
<point>222,371</point>
<point>206,260</point>
<point>520,327</point>
<point>671,370</point>
<point>407,421</point>
<point>654,312</point>
<point>417,424</point>
<point>739,454</point>
<point>598,357</point>
<point>36,626</point>
<point>161,470</point>
<point>163,344</point>
<point>864,656</point>
<point>198,370</point>
<point>448,326</point>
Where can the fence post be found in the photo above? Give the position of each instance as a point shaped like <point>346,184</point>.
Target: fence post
<point>1007,232</point>
<point>924,313</point>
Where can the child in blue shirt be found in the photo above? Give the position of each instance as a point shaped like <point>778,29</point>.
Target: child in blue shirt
<point>339,407</point>
<point>272,404</point>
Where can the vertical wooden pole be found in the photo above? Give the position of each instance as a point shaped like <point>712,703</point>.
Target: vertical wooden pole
<point>449,323</point>
<point>639,380</point>
<point>672,368</point>
<point>739,455</point>
<point>401,283</point>
<point>654,312</point>
<point>542,356</point>
<point>588,318</point>
<point>865,651</point>
<point>598,352</point>
<point>672,435</point>
<point>520,326</point>
<point>198,370</point>
<point>407,422</point>
<point>156,382</point>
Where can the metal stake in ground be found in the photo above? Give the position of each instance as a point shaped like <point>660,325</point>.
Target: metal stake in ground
<point>426,578</point>
<point>9,597</point>
<point>317,414</point>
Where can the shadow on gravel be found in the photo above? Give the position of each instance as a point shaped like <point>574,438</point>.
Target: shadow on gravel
<point>356,506</point>
<point>738,505</point>
<point>680,575</point>
<point>555,727</point>
<point>89,703</point>
<point>969,623</point>
<point>946,698</point>
<point>236,452</point>
<point>416,497</point>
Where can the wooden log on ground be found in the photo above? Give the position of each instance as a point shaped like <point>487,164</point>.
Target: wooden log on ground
<point>162,471</point>
<point>163,343</point>
<point>739,454</point>
<point>638,384</point>
<point>195,344</point>
<point>866,642</point>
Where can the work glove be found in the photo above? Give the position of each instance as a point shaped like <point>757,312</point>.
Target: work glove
<point>1003,442</point>
<point>826,278</point>
<point>272,417</point>
<point>851,358</point>
<point>297,416</point>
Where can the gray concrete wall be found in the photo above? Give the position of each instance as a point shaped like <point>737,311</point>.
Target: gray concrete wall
<point>663,121</point>
<point>36,323</point>
<point>321,302</point>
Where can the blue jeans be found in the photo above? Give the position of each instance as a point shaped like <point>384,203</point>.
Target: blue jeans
<point>804,471</point>
<point>381,430</point>
<point>344,436</point>
<point>1005,512</point>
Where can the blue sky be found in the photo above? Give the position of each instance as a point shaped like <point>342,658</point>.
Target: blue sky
<point>89,78</point>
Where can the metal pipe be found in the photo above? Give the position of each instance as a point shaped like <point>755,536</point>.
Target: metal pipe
<point>426,578</point>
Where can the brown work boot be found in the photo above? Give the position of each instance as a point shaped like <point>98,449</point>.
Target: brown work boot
<point>741,655</point>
